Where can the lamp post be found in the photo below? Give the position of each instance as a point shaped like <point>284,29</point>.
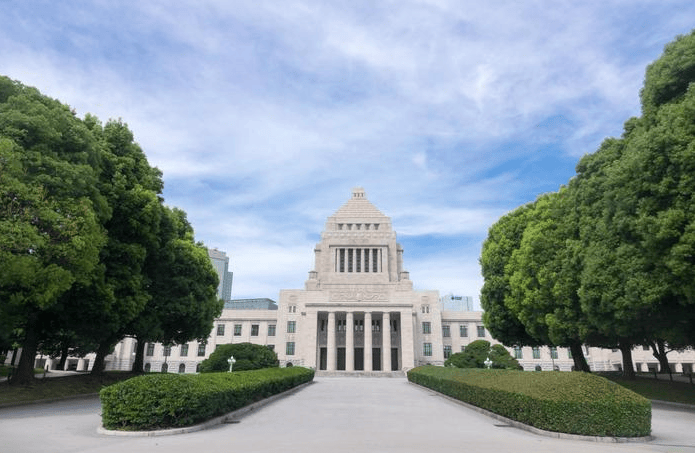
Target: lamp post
<point>488,363</point>
<point>231,363</point>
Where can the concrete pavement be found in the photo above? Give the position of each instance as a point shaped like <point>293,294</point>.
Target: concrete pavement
<point>333,415</point>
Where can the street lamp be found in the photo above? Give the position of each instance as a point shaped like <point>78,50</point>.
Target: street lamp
<point>488,363</point>
<point>231,363</point>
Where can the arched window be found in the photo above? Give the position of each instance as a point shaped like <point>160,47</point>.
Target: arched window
<point>182,368</point>
<point>538,368</point>
<point>165,367</point>
<point>147,368</point>
<point>197,368</point>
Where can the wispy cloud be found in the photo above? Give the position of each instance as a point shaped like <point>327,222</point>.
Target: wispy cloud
<point>262,115</point>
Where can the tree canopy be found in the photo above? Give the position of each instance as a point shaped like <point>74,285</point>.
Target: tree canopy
<point>608,260</point>
<point>82,221</point>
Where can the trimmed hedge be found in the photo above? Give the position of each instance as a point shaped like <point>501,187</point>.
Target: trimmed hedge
<point>574,403</point>
<point>157,401</point>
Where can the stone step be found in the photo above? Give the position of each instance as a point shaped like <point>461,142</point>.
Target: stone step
<point>358,374</point>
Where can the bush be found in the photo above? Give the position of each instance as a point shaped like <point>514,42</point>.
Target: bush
<point>157,401</point>
<point>477,352</point>
<point>248,357</point>
<point>574,403</point>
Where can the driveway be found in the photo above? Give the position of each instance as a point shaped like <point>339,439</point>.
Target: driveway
<point>332,415</point>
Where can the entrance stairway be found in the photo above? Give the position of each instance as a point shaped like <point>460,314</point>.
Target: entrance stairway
<point>359,374</point>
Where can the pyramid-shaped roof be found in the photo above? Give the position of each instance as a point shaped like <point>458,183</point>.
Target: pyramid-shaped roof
<point>358,207</point>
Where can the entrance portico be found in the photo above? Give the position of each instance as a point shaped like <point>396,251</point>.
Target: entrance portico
<point>358,339</point>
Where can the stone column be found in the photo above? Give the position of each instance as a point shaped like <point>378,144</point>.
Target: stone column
<point>386,343</point>
<point>349,341</point>
<point>407,340</point>
<point>367,341</point>
<point>330,343</point>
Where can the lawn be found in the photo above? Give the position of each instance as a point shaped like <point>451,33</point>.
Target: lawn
<point>677,392</point>
<point>59,387</point>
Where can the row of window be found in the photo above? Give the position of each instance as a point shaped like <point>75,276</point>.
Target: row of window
<point>183,351</point>
<point>254,330</point>
<point>341,325</point>
<point>536,352</point>
<point>446,330</point>
<point>358,226</point>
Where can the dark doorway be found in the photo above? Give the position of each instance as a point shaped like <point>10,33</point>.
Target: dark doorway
<point>359,359</point>
<point>323,358</point>
<point>341,359</point>
<point>394,359</point>
<point>376,359</point>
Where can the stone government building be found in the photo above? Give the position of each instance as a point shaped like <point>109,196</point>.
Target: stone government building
<point>357,314</point>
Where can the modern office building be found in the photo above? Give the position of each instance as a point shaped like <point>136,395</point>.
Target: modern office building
<point>220,261</point>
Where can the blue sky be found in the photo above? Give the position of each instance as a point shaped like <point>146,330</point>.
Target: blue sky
<point>264,114</point>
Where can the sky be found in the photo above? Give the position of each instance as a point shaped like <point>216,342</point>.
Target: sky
<point>263,115</point>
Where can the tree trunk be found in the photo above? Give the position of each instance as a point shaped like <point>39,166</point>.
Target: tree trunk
<point>580,363</point>
<point>628,367</point>
<point>659,352</point>
<point>15,351</point>
<point>25,369</point>
<point>63,355</point>
<point>99,361</point>
<point>139,357</point>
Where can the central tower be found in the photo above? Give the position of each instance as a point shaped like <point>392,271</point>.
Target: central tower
<point>358,308</point>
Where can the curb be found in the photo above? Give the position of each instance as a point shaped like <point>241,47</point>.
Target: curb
<point>671,404</point>
<point>541,432</point>
<point>229,417</point>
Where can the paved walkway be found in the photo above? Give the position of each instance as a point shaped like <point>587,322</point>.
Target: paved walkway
<point>332,415</point>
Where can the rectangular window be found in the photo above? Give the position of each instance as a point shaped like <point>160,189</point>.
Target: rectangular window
<point>184,350</point>
<point>167,351</point>
<point>237,330</point>
<point>518,353</point>
<point>645,348</point>
<point>376,325</point>
<point>358,260</point>
<point>569,353</point>
<point>254,330</point>
<point>289,348</point>
<point>342,260</point>
<point>446,331</point>
<point>427,349</point>
<point>481,331</point>
<point>201,350</point>
<point>271,330</point>
<point>375,261</point>
<point>150,349</point>
<point>536,353</point>
<point>447,351</point>
<point>220,330</point>
<point>349,264</point>
<point>463,330</point>
<point>271,347</point>
<point>553,352</point>
<point>426,327</point>
<point>291,327</point>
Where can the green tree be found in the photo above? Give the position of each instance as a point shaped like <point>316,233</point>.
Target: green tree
<point>504,237</point>
<point>183,290</point>
<point>50,211</point>
<point>544,277</point>
<point>477,352</point>
<point>247,356</point>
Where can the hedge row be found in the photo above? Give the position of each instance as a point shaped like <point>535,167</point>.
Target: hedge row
<point>157,401</point>
<point>574,403</point>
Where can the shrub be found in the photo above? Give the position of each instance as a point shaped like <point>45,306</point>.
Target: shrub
<point>156,401</point>
<point>477,352</point>
<point>575,403</point>
<point>248,357</point>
